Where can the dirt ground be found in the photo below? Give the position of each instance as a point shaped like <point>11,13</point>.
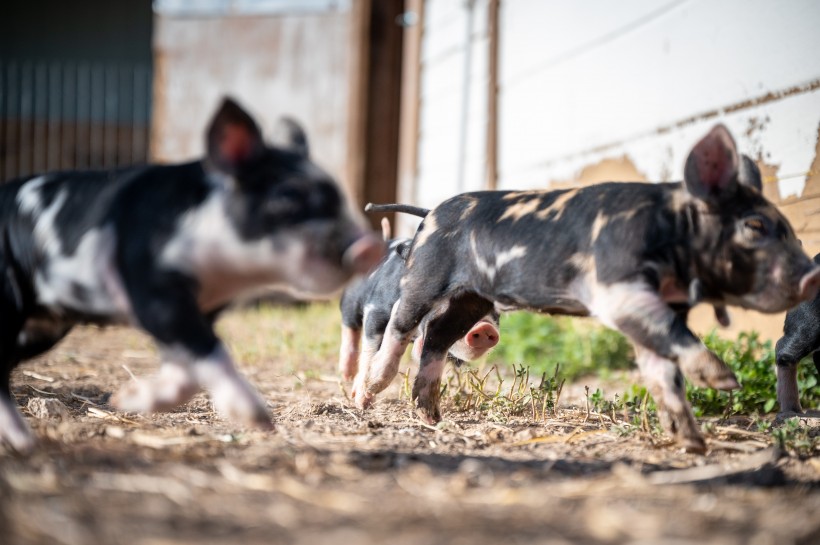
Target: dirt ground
<point>333,474</point>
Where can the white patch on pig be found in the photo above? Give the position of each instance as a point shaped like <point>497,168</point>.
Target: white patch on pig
<point>659,374</point>
<point>489,268</point>
<point>232,396</point>
<point>384,365</point>
<point>173,385</point>
<point>629,300</point>
<point>90,269</point>
<point>434,368</point>
<point>208,247</point>
<point>28,196</point>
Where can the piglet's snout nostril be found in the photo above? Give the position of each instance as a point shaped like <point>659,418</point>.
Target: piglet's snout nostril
<point>482,336</point>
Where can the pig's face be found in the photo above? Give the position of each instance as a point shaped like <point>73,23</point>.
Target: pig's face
<point>289,206</point>
<point>747,252</point>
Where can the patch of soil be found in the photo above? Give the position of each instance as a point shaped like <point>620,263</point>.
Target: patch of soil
<point>333,474</point>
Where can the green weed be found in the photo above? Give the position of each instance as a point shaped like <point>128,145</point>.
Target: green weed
<point>585,348</point>
<point>753,362</point>
<point>487,393</point>
<point>582,346</point>
<point>796,439</point>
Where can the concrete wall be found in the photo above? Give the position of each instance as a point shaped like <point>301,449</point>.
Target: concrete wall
<point>289,64</point>
<point>453,100</point>
<point>597,90</point>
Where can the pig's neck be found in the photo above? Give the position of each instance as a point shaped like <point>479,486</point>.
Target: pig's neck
<point>698,250</point>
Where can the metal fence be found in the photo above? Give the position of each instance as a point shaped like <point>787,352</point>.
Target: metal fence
<point>72,115</point>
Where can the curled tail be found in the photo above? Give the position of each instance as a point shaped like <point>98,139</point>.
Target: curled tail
<point>404,208</point>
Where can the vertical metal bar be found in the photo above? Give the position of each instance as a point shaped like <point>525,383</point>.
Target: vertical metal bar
<point>148,93</point>
<point>40,117</point>
<point>124,122</point>
<point>141,98</point>
<point>12,121</point>
<point>110,125</point>
<point>409,124</point>
<point>466,88</point>
<point>4,97</point>
<point>136,121</point>
<point>82,115</point>
<point>55,118</point>
<point>359,70</point>
<point>492,96</point>
<point>97,116</point>
<point>26,109</point>
<point>68,139</point>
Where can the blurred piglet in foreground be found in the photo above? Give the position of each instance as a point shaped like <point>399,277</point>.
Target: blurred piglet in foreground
<point>166,248</point>
<point>801,337</point>
<point>637,256</point>
<point>366,305</point>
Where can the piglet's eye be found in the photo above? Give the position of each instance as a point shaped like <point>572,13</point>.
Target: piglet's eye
<point>756,225</point>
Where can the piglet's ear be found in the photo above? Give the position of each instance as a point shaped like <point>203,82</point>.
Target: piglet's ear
<point>289,134</point>
<point>749,174</point>
<point>233,137</point>
<point>711,171</point>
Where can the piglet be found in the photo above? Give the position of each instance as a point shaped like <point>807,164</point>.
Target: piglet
<point>166,249</point>
<point>366,305</point>
<point>801,337</point>
<point>626,253</point>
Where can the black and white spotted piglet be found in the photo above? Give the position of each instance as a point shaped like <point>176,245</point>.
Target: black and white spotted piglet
<point>166,248</point>
<point>801,337</point>
<point>366,305</point>
<point>628,253</point>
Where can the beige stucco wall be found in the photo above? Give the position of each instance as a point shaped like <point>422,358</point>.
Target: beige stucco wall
<point>291,64</point>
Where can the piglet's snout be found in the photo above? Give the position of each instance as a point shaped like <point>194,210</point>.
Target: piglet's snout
<point>364,254</point>
<point>809,284</point>
<point>483,335</point>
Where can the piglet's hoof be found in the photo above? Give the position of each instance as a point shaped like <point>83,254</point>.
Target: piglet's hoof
<point>138,396</point>
<point>236,400</point>
<point>782,416</point>
<point>256,417</point>
<point>707,370</point>
<point>431,418</point>
<point>694,445</point>
<point>362,398</point>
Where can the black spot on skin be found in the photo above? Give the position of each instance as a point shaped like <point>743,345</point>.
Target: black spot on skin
<point>80,293</point>
<point>678,380</point>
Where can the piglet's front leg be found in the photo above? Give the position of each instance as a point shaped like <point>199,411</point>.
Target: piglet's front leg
<point>638,312</point>
<point>665,382</point>
<point>664,346</point>
<point>194,358</point>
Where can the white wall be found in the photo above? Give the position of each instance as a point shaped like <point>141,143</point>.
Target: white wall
<point>594,90</point>
<point>452,132</point>
<point>294,64</point>
<point>581,81</point>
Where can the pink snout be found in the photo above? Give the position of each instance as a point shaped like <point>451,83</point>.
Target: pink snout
<point>483,336</point>
<point>363,255</point>
<point>809,284</point>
